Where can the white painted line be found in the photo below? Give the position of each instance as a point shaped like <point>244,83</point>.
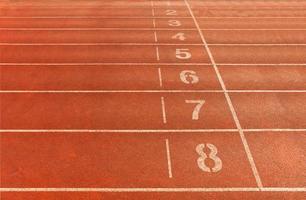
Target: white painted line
<point>156,64</point>
<point>140,44</point>
<point>160,77</point>
<point>246,189</point>
<point>152,91</point>
<point>169,159</point>
<point>109,64</point>
<point>157,53</point>
<point>154,23</point>
<point>155,36</point>
<point>275,130</point>
<point>146,29</point>
<point>228,99</point>
<point>163,110</point>
<point>258,44</point>
<point>96,29</point>
<point>262,64</point>
<point>203,131</point>
<point>147,17</point>
<point>98,44</point>
<point>110,91</point>
<point>152,5</point>
<point>266,91</point>
<point>117,131</point>
<point>254,29</point>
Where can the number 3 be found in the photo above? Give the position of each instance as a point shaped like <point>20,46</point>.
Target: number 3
<point>212,155</point>
<point>174,23</point>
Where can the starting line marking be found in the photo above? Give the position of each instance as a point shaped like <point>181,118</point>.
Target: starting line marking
<point>245,189</point>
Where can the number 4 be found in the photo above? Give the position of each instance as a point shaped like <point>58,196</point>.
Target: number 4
<point>179,36</point>
<point>197,108</point>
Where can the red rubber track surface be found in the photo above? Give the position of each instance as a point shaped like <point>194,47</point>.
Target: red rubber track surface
<point>153,99</point>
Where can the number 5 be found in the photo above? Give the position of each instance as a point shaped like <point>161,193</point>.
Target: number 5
<point>197,108</point>
<point>182,54</point>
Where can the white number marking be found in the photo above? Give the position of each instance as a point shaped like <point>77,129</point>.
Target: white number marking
<point>189,77</point>
<point>171,12</point>
<point>212,155</point>
<point>179,36</point>
<point>174,22</point>
<point>197,108</point>
<point>183,54</point>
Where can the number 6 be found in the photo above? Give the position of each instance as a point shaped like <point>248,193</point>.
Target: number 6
<point>189,74</point>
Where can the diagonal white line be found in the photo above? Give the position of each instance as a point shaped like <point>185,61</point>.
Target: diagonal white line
<point>229,101</point>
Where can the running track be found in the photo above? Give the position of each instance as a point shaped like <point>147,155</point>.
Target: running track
<point>153,99</point>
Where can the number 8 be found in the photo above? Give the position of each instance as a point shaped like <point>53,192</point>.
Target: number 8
<point>212,155</point>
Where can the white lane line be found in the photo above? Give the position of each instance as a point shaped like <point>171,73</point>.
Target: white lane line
<point>146,130</point>
<point>229,101</point>
<point>155,64</point>
<point>148,17</point>
<point>257,44</point>
<point>110,91</point>
<point>155,37</point>
<point>163,107</point>
<point>262,64</point>
<point>154,22</point>
<point>157,53</point>
<point>142,44</point>
<point>203,131</point>
<point>267,91</point>
<point>95,29</point>
<point>168,158</point>
<point>160,77</point>
<point>275,130</point>
<point>245,189</point>
<point>254,29</point>
<point>117,131</point>
<point>110,64</point>
<point>152,91</point>
<point>146,29</point>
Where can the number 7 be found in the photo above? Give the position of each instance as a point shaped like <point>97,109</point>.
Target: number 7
<point>197,108</point>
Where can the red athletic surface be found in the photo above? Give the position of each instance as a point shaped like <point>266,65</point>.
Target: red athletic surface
<point>95,105</point>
